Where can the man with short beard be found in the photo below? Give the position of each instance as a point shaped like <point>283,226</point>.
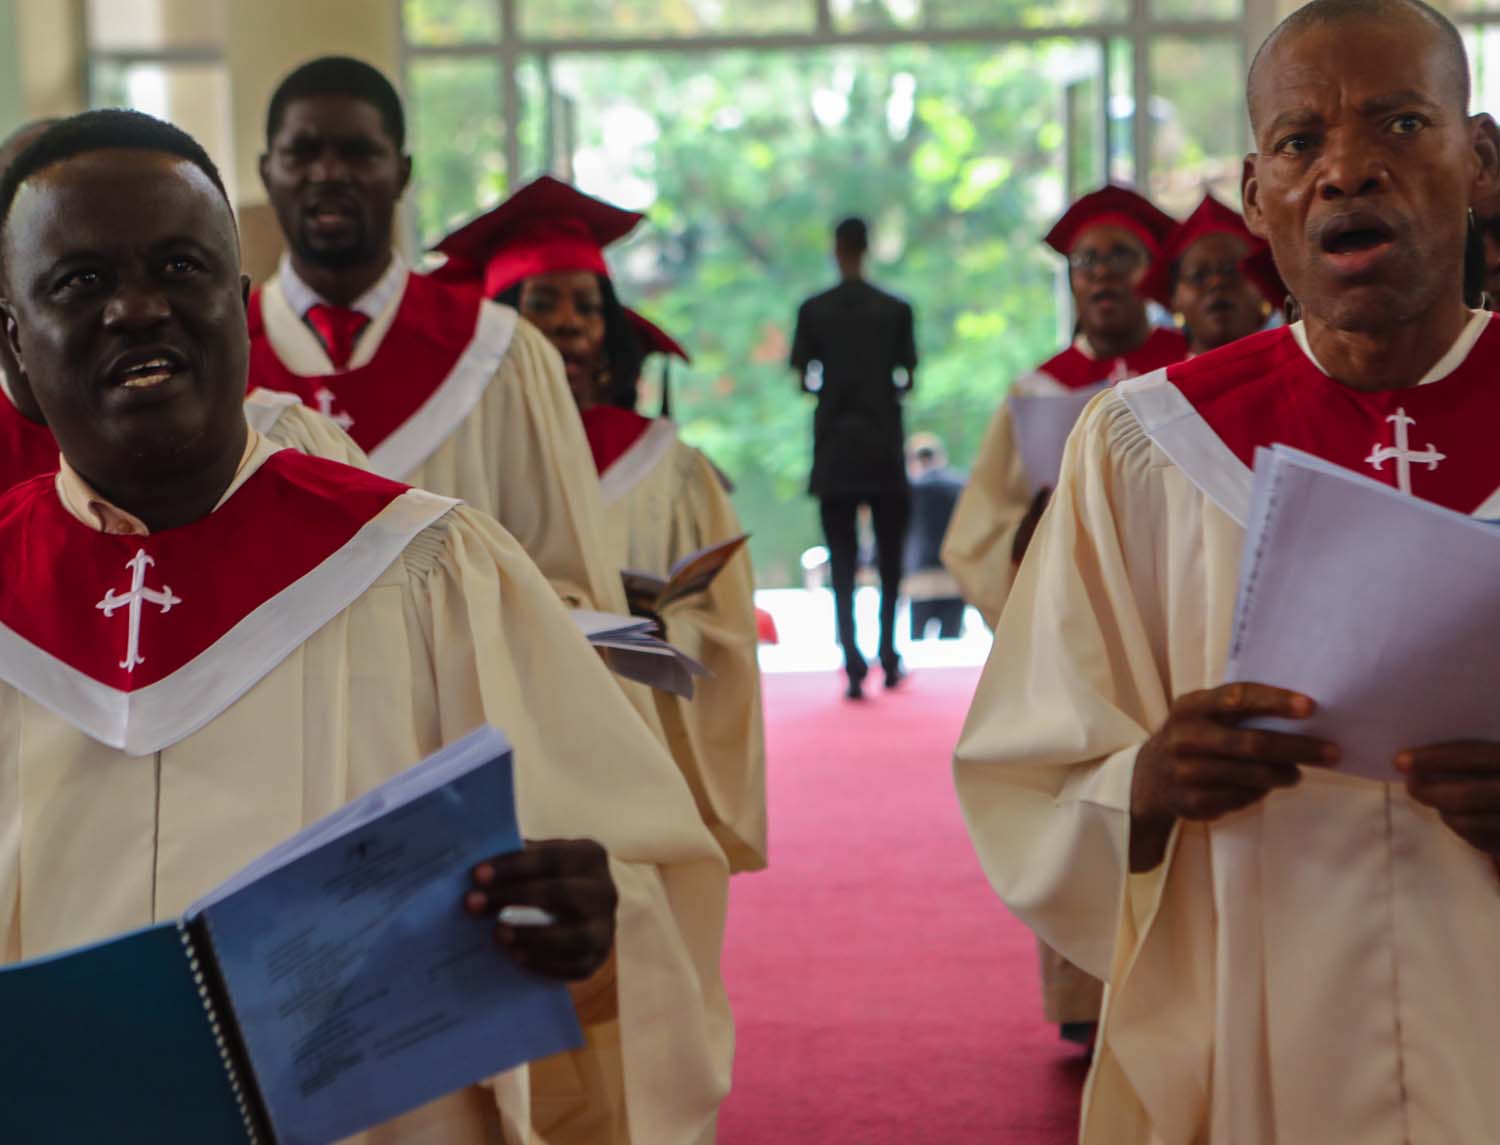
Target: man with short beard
<point>312,629</point>
<point>441,391</point>
<point>1293,955</point>
<point>458,395</point>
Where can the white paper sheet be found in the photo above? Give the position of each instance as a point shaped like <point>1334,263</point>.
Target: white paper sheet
<point>1043,423</point>
<point>1383,608</point>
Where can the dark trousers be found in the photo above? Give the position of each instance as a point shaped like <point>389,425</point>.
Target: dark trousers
<point>891,512</point>
<point>948,611</point>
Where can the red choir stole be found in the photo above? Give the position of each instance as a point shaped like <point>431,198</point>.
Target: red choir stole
<point>1210,414</point>
<point>430,370</point>
<point>611,433</point>
<point>1075,370</point>
<point>138,641</point>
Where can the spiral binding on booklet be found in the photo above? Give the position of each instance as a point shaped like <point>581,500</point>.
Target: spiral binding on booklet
<point>211,992</point>
<point>1260,529</point>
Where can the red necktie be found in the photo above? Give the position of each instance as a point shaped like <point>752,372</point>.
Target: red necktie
<point>339,328</point>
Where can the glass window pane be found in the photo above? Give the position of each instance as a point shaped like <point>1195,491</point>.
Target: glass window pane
<point>1199,126</point>
<point>1483,43</point>
<point>193,96</point>
<point>744,160</point>
<point>866,15</point>
<point>620,19</point>
<point>439,22</point>
<point>1122,166</point>
<point>149,25</point>
<point>1197,9</point>
<point>458,140</point>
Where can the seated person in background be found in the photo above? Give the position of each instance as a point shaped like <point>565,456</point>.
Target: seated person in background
<point>1216,277</point>
<point>931,591</point>
<point>149,756</point>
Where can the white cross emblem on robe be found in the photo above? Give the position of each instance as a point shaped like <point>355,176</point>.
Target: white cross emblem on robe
<point>138,596</point>
<point>1402,453</point>
<point>325,398</point>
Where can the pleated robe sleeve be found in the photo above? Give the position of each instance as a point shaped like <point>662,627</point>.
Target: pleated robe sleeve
<point>1083,671</point>
<point>719,734</point>
<point>1072,689</point>
<point>977,546</point>
<point>499,647</point>
<point>521,457</point>
<point>307,431</point>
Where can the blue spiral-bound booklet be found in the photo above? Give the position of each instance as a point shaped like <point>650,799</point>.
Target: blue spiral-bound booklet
<point>332,985</point>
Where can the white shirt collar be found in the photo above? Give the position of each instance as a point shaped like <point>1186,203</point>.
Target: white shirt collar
<point>372,303</point>
<point>1455,357</point>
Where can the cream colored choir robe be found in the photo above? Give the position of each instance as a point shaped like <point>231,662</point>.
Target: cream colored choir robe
<point>283,420</point>
<point>664,501</point>
<point>460,630</point>
<point>1272,980</point>
<point>977,551</point>
<point>982,531</point>
<point>520,456</point>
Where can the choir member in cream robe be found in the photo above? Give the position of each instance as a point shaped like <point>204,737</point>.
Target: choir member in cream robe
<point>1110,238</point>
<point>453,393</point>
<point>542,251</point>
<point>1217,278</point>
<point>1293,955</point>
<point>438,390</point>
<point>311,630</point>
<point>665,501</point>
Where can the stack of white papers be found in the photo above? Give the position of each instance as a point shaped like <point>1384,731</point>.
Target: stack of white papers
<point>1042,425</point>
<point>1383,608</point>
<point>633,650</point>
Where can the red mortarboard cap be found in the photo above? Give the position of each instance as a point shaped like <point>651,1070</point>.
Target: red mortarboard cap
<point>1112,205</point>
<point>655,340</point>
<point>1209,218</point>
<point>546,226</point>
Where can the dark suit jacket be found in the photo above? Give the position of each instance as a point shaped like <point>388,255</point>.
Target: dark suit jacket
<point>860,336</point>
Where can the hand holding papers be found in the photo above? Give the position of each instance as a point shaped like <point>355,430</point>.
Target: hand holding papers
<point>331,985</point>
<point>1383,608</point>
<point>555,904</point>
<point>1042,425</point>
<point>689,577</point>
<point>632,649</point>
<point>1200,765</point>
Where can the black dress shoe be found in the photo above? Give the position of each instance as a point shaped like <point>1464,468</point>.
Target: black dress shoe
<point>855,690</point>
<point>894,674</point>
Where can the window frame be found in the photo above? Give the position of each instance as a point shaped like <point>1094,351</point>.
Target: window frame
<point>514,49</point>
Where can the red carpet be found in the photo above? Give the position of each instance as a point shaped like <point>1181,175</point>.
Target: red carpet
<point>883,995</point>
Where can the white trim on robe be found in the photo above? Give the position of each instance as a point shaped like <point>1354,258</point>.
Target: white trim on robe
<point>1178,429</point>
<point>632,466</point>
<point>447,406</point>
<point>156,717</point>
<point>264,409</point>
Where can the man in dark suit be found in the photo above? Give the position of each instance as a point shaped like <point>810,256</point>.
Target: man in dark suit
<point>855,349</point>
<point>930,588</point>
